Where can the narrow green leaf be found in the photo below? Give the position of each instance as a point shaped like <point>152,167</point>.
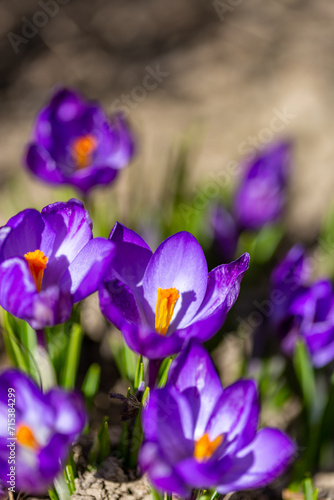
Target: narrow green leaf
<point>14,348</point>
<point>53,494</point>
<point>62,488</point>
<point>139,373</point>
<point>305,374</point>
<point>70,478</point>
<point>72,359</point>
<point>91,383</point>
<point>164,376</point>
<point>308,489</point>
<point>101,446</point>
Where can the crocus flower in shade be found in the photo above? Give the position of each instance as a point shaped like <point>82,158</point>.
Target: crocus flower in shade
<point>48,261</point>
<point>261,195</point>
<point>159,301</point>
<point>225,232</point>
<point>73,142</point>
<point>44,427</point>
<point>305,311</point>
<point>198,435</point>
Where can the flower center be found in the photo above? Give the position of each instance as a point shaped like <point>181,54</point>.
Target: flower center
<point>204,448</point>
<point>166,301</point>
<point>37,263</point>
<point>25,437</point>
<point>83,149</point>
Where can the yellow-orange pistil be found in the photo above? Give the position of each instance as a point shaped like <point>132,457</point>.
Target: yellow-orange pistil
<point>166,301</point>
<point>83,148</point>
<point>204,448</point>
<point>25,437</point>
<point>37,264</point>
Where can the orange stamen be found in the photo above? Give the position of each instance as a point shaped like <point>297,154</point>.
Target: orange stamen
<point>37,264</point>
<point>166,301</point>
<point>26,437</point>
<point>204,448</point>
<point>83,149</point>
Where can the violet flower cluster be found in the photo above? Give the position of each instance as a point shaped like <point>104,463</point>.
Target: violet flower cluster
<point>36,437</point>
<point>201,436</point>
<point>259,199</point>
<point>306,311</point>
<point>73,142</point>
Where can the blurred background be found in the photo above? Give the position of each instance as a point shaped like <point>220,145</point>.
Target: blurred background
<point>229,75</point>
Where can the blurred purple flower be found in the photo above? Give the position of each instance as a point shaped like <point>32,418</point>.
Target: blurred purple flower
<point>306,312</point>
<point>198,435</point>
<point>74,143</point>
<point>159,301</point>
<point>261,195</point>
<point>48,261</point>
<point>45,427</point>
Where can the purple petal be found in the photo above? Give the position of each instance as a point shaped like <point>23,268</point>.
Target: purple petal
<point>179,262</point>
<point>194,369</point>
<point>236,415</point>
<point>87,270</point>
<point>167,419</point>
<point>225,233</point>
<point>118,304</point>
<point>222,292</point>
<point>202,474</point>
<point>132,255</point>
<point>70,412</point>
<point>147,342</point>
<point>28,233</point>
<point>271,451</point>
<point>40,163</point>
<point>73,228</point>
<point>161,474</point>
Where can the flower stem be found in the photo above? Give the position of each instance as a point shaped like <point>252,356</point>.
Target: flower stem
<point>153,371</point>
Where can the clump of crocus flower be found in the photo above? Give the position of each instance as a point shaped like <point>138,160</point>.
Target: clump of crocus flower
<point>159,301</point>
<point>259,199</point>
<point>49,261</point>
<point>198,435</point>
<point>74,142</point>
<point>38,433</point>
<point>306,311</point>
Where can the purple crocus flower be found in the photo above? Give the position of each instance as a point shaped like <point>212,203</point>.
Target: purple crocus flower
<point>261,195</point>
<point>159,301</point>
<point>310,317</point>
<point>305,311</point>
<point>36,431</point>
<point>48,261</point>
<point>198,435</point>
<point>74,143</point>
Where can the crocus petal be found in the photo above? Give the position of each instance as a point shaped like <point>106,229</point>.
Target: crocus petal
<point>70,413</point>
<point>202,474</point>
<point>236,415</point>
<point>166,405</point>
<point>179,262</point>
<point>117,303</point>
<point>28,233</point>
<point>194,369</point>
<point>161,474</point>
<point>271,451</point>
<point>72,225</point>
<point>222,292</point>
<point>40,162</point>
<point>17,288</point>
<point>87,270</point>
<point>147,342</point>
<point>132,255</point>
